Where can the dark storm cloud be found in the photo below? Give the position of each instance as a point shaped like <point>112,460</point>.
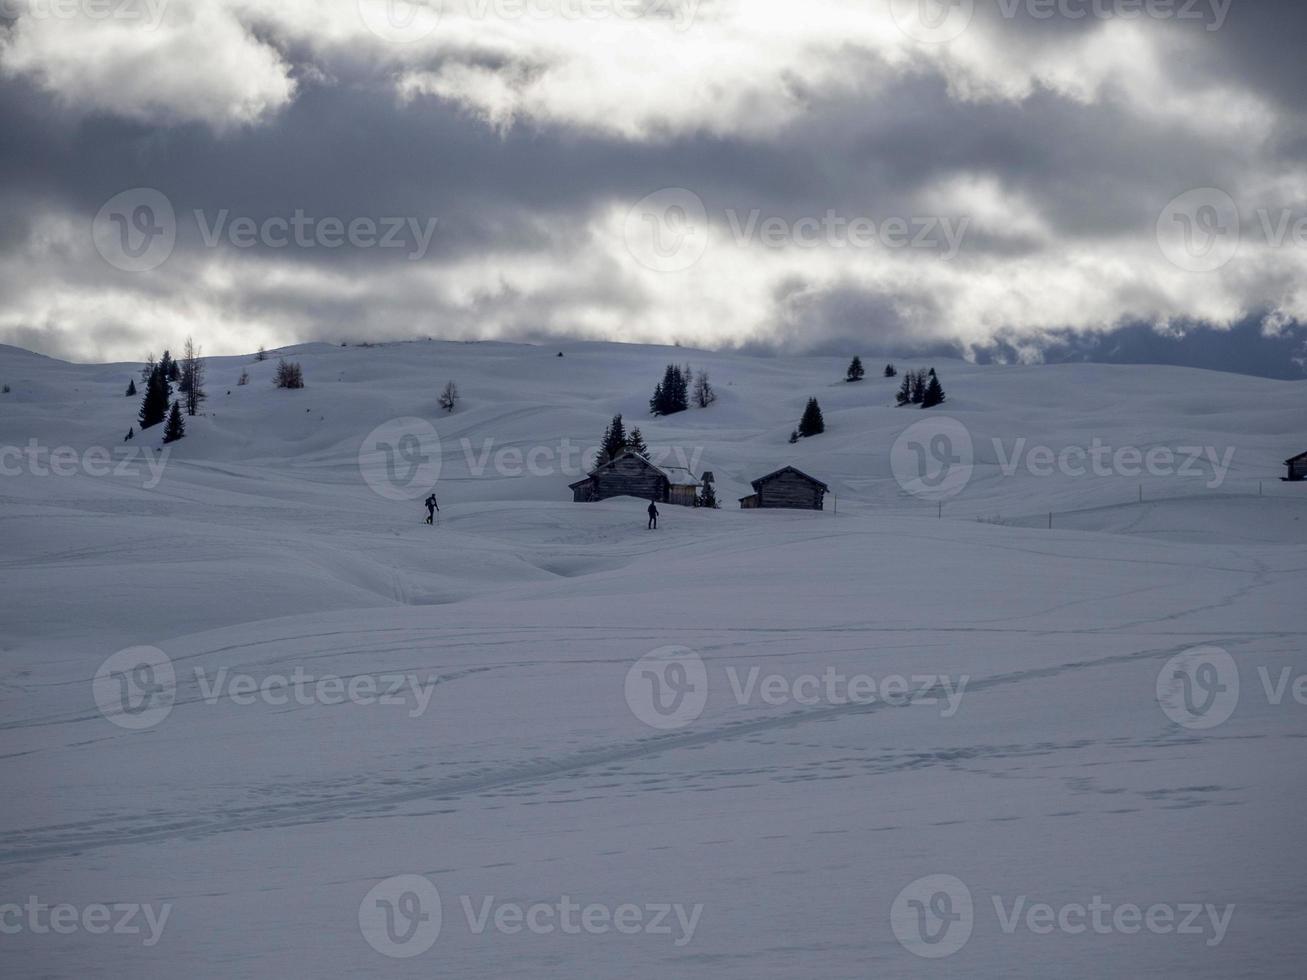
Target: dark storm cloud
<point>1057,171</point>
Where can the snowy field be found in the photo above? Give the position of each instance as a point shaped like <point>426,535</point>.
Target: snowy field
<point>919,734</point>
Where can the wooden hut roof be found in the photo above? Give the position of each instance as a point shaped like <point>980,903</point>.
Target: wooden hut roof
<point>757,484</point>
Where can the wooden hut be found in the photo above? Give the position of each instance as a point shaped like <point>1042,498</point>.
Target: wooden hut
<point>786,487</point>
<point>633,475</point>
<point>1297,467</point>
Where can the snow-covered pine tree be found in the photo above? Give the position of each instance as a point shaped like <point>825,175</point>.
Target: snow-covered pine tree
<point>614,442</point>
<point>154,403</point>
<point>890,371</point>
<point>905,389</point>
<point>176,427</point>
<point>131,387</point>
<point>934,394</point>
<point>812,423</point>
<point>635,441</point>
<point>918,387</point>
<point>855,371</point>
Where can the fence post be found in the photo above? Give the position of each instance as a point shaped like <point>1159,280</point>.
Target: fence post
<point>1050,520</point>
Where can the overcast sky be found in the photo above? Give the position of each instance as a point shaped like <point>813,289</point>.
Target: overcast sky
<point>993,176</point>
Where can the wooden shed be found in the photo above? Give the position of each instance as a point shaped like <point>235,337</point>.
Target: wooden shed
<point>786,487</point>
<point>1297,467</point>
<point>633,475</point>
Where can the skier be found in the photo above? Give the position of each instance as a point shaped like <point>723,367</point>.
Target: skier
<point>432,507</point>
<point>653,515</point>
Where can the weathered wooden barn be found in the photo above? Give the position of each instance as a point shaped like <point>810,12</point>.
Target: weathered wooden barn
<point>1297,467</point>
<point>633,475</point>
<point>786,487</point>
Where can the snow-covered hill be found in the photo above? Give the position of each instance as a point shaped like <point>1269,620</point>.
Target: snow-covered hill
<point>518,764</point>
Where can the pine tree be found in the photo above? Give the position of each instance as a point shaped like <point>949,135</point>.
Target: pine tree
<point>918,387</point>
<point>890,371</point>
<point>934,394</point>
<point>905,389</point>
<point>708,497</point>
<point>154,404</point>
<point>614,443</point>
<point>131,387</point>
<point>672,394</point>
<point>192,382</point>
<point>149,367</point>
<point>812,423</point>
<point>169,366</point>
<point>175,428</point>
<point>855,371</point>
<point>635,441</point>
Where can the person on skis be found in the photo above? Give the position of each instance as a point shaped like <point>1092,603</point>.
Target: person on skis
<point>653,515</point>
<point>432,507</point>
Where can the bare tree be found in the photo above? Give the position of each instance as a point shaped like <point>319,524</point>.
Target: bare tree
<point>703,393</point>
<point>192,382</point>
<point>449,397</point>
